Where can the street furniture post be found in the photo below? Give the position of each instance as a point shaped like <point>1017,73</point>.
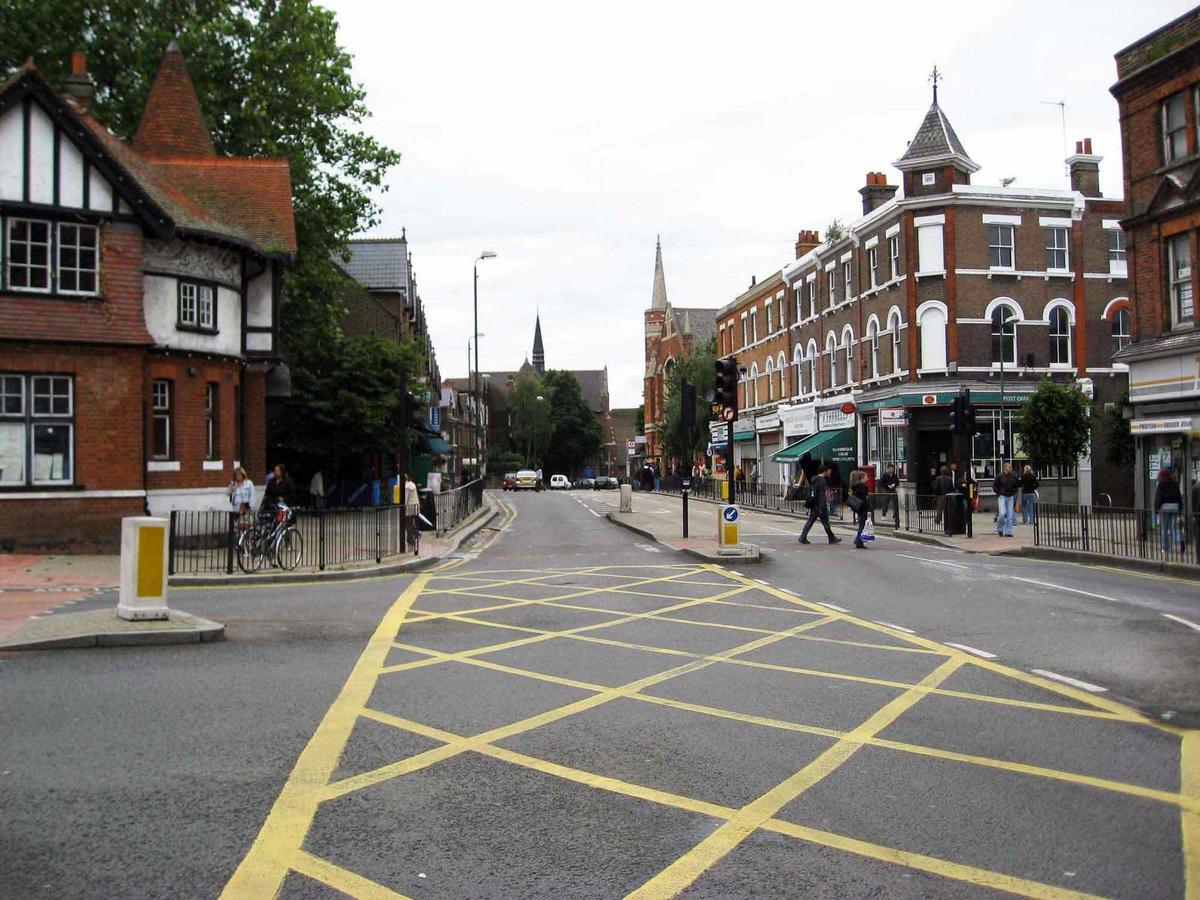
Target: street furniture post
<point>143,591</point>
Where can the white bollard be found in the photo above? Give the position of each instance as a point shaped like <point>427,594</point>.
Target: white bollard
<point>143,569</point>
<point>627,498</point>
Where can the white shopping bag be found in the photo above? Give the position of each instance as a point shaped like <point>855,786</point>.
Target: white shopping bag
<point>868,532</point>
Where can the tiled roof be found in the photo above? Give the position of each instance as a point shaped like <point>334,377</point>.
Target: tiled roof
<point>594,383</point>
<point>702,322</point>
<point>378,264</point>
<point>935,140</point>
<point>255,195</point>
<point>172,123</point>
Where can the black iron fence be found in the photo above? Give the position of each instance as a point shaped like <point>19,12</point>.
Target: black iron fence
<point>452,507</point>
<point>205,541</point>
<point>1118,532</point>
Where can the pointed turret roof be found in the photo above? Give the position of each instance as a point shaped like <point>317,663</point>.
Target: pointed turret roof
<point>935,142</point>
<point>172,124</point>
<point>658,297</point>
<point>539,354</point>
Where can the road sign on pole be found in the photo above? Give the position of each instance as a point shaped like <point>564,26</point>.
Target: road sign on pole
<point>727,526</point>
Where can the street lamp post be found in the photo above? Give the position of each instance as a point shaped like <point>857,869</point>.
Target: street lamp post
<point>486,254</point>
<point>1011,320</point>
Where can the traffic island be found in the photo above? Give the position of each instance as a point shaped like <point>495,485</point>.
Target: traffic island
<point>104,628</point>
<point>670,534</point>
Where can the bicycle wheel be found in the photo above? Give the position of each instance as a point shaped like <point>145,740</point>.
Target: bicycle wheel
<point>289,547</point>
<point>249,551</point>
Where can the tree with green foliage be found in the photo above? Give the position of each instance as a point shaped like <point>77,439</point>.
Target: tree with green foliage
<point>272,81</point>
<point>699,369</point>
<point>835,231</point>
<point>1119,445</point>
<point>577,435</point>
<point>1055,425</point>
<point>532,424</point>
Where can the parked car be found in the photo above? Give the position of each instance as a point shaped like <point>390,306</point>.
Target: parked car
<point>605,483</point>
<point>585,484</point>
<point>527,480</point>
<point>559,483</point>
<point>510,481</point>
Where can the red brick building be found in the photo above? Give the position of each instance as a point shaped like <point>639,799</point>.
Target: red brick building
<point>1158,93</point>
<point>139,291</point>
<point>855,350</point>
<point>671,334</point>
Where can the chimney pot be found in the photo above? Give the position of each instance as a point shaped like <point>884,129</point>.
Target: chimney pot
<point>1079,146</point>
<point>1087,146</point>
<point>78,85</point>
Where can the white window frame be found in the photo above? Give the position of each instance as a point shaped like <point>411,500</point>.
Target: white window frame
<point>928,178</point>
<point>745,330</point>
<point>812,297</point>
<point>769,306</point>
<point>33,420</point>
<point>754,323</point>
<point>927,227</point>
<point>848,345</point>
<point>1179,283</point>
<point>831,349</point>
<point>212,409</point>
<point>847,282</point>
<point>1005,310</point>
<point>872,262</point>
<point>161,407</point>
<point>894,330</point>
<point>813,357</point>
<point>1124,337</point>
<point>1169,153</point>
<point>1000,247</point>
<point>1056,314</point>
<point>77,269</point>
<point>894,254</point>
<point>1052,233</point>
<point>9,227</point>
<point>1118,260</point>
<point>873,341</point>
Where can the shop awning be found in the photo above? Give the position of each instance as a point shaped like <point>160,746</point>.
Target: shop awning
<point>436,446</point>
<point>816,445</point>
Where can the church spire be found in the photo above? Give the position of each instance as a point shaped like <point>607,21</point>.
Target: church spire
<point>658,297</point>
<point>539,354</point>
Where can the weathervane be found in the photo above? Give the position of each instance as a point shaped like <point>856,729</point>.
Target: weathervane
<point>935,76</point>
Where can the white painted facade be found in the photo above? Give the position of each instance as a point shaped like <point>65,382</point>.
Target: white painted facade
<point>73,171</point>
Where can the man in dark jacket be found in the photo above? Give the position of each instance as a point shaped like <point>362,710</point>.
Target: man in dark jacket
<point>1006,486</point>
<point>820,508</point>
<point>889,483</point>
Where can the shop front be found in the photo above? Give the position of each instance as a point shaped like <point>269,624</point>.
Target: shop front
<point>1167,442</point>
<point>1164,389</point>
<point>768,434</point>
<point>831,439</point>
<point>745,453</point>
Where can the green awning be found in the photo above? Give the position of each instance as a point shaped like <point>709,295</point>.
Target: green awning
<point>819,445</point>
<point>436,446</point>
<point>743,436</point>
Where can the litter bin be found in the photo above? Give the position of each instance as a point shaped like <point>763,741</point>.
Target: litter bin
<point>952,516</point>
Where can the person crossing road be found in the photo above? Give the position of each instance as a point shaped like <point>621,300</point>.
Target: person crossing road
<point>819,508</point>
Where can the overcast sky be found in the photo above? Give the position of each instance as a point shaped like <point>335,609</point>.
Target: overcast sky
<point>565,137</point>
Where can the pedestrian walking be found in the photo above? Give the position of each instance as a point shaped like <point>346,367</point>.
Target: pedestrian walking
<point>834,487</point>
<point>859,502</point>
<point>241,492</point>
<point>1029,495</point>
<point>1006,486</point>
<point>412,509</point>
<point>818,507</point>
<point>890,484</point>
<point>754,476</point>
<point>1168,501</point>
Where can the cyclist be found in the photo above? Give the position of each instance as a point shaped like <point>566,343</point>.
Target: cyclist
<point>412,509</point>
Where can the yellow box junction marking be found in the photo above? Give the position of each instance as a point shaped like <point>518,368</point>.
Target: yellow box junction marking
<point>278,848</point>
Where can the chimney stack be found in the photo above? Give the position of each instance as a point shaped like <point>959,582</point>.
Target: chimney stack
<point>79,85</point>
<point>876,192</point>
<point>1084,167</point>
<point>807,241</point>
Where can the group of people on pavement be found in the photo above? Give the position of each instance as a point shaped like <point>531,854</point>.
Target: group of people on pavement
<point>1168,507</point>
<point>1015,493</point>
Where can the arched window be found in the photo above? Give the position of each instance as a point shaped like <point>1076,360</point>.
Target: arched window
<point>1121,333</point>
<point>831,352</point>
<point>813,383</point>
<point>931,319</point>
<point>1004,333</point>
<point>894,328</point>
<point>781,367</point>
<point>752,388</point>
<point>798,365</point>
<point>848,344</point>
<point>770,379</point>
<point>873,345</point>
<point>1060,337</point>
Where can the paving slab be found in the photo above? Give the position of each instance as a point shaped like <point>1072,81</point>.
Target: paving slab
<point>103,628</point>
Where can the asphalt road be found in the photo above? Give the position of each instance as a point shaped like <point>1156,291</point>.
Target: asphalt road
<point>568,711</point>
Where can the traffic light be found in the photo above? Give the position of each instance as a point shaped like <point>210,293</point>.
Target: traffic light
<point>969,426</point>
<point>956,415</point>
<point>687,404</point>
<point>962,414</point>
<point>727,381</point>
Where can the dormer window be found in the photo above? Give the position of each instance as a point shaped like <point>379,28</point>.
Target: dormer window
<point>197,306</point>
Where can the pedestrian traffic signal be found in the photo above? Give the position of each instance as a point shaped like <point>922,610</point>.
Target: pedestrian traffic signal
<point>962,414</point>
<point>727,382</point>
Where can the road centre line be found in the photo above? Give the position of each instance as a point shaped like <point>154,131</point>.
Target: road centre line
<point>1059,587</point>
<point>1182,621</point>
<point>840,609</point>
<point>1074,682</point>
<point>974,650</point>
<point>940,562</point>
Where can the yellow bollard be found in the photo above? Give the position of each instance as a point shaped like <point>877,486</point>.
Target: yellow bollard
<point>143,569</point>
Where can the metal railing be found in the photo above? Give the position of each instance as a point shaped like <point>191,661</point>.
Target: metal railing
<point>758,495</point>
<point>205,541</point>
<point>1119,532</point>
<point>452,507</point>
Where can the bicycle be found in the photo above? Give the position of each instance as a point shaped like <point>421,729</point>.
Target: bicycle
<point>276,540</point>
